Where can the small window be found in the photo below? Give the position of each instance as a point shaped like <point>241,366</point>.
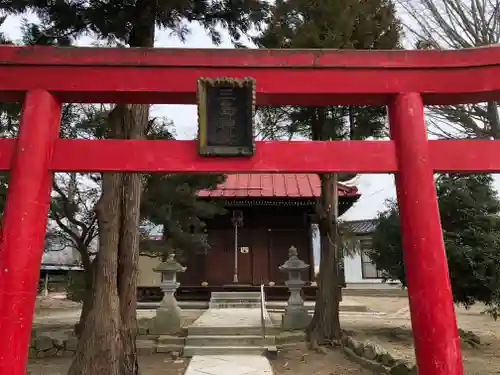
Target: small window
<point>368,269</point>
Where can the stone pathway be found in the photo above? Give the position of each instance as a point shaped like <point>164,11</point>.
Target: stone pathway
<point>232,318</point>
<point>347,305</point>
<point>229,365</point>
<point>228,341</point>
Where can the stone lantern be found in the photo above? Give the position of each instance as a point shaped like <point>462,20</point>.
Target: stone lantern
<point>168,319</point>
<point>296,315</point>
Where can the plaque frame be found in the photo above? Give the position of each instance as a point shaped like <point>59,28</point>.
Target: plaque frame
<point>204,149</point>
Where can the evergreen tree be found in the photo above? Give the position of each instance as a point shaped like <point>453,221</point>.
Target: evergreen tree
<point>9,117</point>
<point>470,217</point>
<point>72,209</point>
<point>168,200</point>
<point>351,24</point>
<point>112,320</point>
<point>171,201</point>
<point>10,112</point>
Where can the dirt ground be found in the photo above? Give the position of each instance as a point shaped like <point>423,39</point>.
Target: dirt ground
<point>392,330</point>
<point>292,362</point>
<point>387,323</point>
<point>150,365</point>
<point>300,361</point>
<point>46,306</point>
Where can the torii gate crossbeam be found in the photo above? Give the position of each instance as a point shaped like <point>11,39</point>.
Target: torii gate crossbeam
<point>45,77</point>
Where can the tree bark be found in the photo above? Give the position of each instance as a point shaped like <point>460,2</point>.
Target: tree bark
<point>134,122</point>
<point>325,324</point>
<point>118,214</point>
<point>494,119</point>
<point>88,267</point>
<point>109,347</point>
<point>127,271</point>
<point>99,347</point>
<point>87,301</point>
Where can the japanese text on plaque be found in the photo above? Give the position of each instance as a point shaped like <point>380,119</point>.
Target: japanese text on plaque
<point>226,131</point>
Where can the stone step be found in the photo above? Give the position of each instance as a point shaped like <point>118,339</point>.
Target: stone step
<point>230,331</point>
<point>190,351</point>
<point>166,348</point>
<point>232,340</point>
<point>235,300</point>
<point>171,340</point>
<point>234,304</point>
<point>251,296</point>
<point>145,347</point>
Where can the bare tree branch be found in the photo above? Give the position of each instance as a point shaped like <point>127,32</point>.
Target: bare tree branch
<point>456,24</point>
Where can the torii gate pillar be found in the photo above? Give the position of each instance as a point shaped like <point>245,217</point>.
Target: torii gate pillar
<point>437,345</point>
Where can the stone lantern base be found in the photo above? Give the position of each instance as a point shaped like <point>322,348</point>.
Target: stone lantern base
<point>168,319</point>
<point>295,318</point>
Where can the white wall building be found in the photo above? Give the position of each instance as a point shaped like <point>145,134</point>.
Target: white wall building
<point>358,268</point>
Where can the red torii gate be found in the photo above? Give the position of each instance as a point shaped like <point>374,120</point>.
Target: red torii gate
<point>43,77</point>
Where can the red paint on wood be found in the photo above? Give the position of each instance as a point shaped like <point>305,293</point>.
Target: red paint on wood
<point>304,78</point>
<point>283,77</point>
<point>279,157</point>
<point>182,156</point>
<point>23,227</point>
<point>275,58</point>
<point>465,155</point>
<point>437,345</point>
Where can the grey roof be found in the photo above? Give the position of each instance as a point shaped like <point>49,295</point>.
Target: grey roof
<point>360,226</point>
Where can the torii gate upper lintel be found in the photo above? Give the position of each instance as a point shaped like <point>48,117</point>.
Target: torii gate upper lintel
<point>44,77</point>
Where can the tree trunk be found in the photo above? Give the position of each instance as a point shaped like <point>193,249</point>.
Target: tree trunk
<point>127,271</point>
<point>135,119</point>
<point>109,346</point>
<point>99,347</point>
<point>87,301</point>
<point>494,119</point>
<point>325,324</point>
<point>88,269</point>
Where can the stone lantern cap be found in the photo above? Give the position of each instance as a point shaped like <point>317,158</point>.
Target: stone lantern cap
<point>170,265</point>
<point>293,263</point>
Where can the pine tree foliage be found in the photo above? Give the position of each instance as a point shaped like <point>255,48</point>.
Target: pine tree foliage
<point>72,210</point>
<point>171,201</point>
<point>123,20</point>
<point>345,24</point>
<point>10,112</point>
<point>470,217</point>
<point>112,321</point>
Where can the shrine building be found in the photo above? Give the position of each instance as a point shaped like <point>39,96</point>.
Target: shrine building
<point>266,214</point>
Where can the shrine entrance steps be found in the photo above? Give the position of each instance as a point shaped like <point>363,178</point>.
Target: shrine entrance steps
<point>240,300</point>
<point>223,329</point>
<point>229,365</point>
<point>229,339</point>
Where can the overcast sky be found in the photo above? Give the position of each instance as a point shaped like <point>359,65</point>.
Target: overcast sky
<point>375,189</point>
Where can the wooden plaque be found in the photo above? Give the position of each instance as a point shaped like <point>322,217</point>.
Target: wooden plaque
<point>226,111</point>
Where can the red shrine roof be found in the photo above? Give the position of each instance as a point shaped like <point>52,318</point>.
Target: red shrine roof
<point>273,185</point>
